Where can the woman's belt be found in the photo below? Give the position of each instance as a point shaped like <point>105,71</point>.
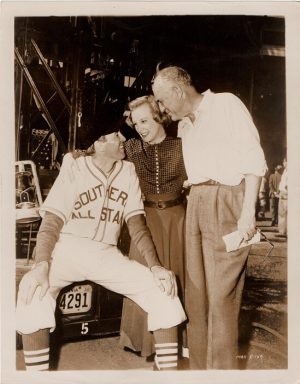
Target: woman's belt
<point>161,204</point>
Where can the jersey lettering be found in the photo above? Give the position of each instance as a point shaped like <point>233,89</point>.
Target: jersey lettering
<point>106,214</point>
<point>89,216</point>
<point>80,215</point>
<point>92,194</point>
<point>115,194</point>
<point>122,196</point>
<point>88,196</point>
<point>110,215</point>
<point>118,217</point>
<point>111,193</point>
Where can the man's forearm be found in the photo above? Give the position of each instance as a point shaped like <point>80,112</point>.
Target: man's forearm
<point>252,184</point>
<point>47,237</point>
<point>141,236</point>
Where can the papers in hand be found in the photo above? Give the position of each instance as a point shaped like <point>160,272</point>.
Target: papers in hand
<point>233,241</point>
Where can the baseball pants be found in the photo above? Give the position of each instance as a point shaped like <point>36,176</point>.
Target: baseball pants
<point>79,259</point>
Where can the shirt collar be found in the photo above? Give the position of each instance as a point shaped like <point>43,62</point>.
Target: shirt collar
<point>191,117</point>
<point>204,102</point>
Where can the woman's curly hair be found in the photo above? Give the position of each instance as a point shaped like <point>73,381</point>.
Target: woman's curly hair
<point>159,116</point>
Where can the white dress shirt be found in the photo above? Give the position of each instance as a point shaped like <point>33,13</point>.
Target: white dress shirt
<point>283,185</point>
<point>222,143</point>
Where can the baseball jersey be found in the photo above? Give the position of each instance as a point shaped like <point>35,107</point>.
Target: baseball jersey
<point>91,204</point>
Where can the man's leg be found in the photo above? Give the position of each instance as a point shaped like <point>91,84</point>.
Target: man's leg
<point>119,274</point>
<point>224,271</point>
<point>271,202</point>
<point>274,209</point>
<point>34,321</point>
<point>282,217</point>
<point>276,202</point>
<point>195,292</point>
<point>166,349</point>
<point>36,350</point>
<point>225,281</point>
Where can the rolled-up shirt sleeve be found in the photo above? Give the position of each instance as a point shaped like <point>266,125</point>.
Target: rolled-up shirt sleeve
<point>245,139</point>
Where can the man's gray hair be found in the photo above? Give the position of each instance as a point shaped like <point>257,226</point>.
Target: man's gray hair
<point>174,74</point>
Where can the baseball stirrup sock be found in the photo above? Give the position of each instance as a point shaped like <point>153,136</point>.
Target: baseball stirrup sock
<point>36,350</point>
<point>166,356</point>
<point>166,348</point>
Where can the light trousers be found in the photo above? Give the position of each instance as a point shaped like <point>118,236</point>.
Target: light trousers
<point>79,259</point>
<point>214,277</point>
<point>282,216</point>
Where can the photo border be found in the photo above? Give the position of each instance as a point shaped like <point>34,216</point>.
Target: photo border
<point>11,9</point>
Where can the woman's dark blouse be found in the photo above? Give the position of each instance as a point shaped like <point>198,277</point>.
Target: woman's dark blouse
<point>160,167</point>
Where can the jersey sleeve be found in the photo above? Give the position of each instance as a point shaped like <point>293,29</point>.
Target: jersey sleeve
<point>62,195</point>
<point>134,204</point>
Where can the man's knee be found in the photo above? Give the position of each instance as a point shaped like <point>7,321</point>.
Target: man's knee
<point>165,313</point>
<point>38,314</point>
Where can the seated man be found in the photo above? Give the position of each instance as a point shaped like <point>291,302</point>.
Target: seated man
<point>83,214</point>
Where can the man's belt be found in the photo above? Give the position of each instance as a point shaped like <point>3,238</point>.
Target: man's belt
<point>208,182</point>
<point>161,204</point>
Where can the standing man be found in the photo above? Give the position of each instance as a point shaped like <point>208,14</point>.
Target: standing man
<point>283,201</point>
<point>274,182</point>
<point>224,163</point>
<point>83,213</point>
<point>262,198</point>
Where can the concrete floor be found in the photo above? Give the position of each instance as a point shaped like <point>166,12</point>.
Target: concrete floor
<point>95,354</point>
<point>263,325</point>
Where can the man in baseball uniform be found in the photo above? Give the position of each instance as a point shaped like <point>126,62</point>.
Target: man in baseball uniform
<point>82,218</point>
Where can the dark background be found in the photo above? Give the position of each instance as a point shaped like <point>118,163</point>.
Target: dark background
<point>90,57</point>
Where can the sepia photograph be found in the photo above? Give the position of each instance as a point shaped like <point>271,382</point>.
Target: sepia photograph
<point>149,212</point>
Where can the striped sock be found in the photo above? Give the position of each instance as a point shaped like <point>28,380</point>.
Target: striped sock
<point>166,348</point>
<point>36,350</point>
<point>166,356</point>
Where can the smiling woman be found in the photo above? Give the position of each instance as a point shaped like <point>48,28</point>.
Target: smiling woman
<point>159,165</point>
<point>147,119</point>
